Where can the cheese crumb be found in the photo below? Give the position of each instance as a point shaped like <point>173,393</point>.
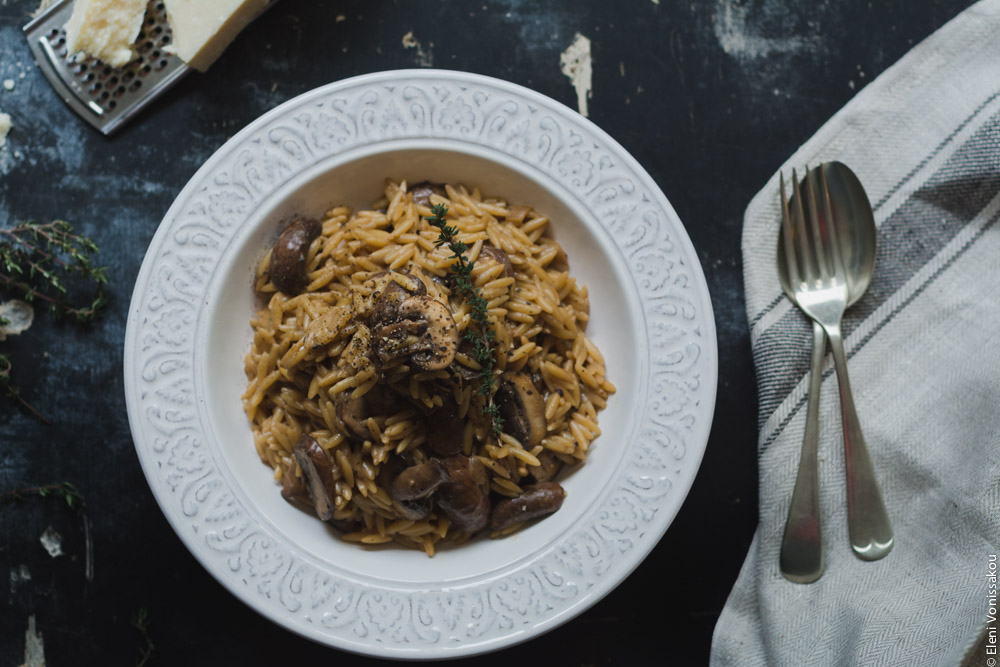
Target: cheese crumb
<point>52,541</point>
<point>576,64</point>
<point>16,316</point>
<point>5,126</point>
<point>105,29</point>
<point>42,7</point>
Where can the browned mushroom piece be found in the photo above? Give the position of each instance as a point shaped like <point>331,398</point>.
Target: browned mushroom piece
<point>464,498</point>
<point>411,495</point>
<point>318,472</point>
<point>424,335</point>
<point>522,408</point>
<point>418,481</point>
<point>422,192</point>
<point>413,510</point>
<point>288,256</point>
<point>549,468</point>
<point>345,525</point>
<point>386,306</point>
<point>445,430</point>
<point>497,255</point>
<point>536,501</point>
<point>353,413</point>
<point>293,487</point>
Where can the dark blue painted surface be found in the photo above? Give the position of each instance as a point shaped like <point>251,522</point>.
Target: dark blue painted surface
<point>710,97</point>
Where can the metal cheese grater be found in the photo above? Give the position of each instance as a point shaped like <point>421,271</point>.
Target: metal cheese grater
<point>106,97</point>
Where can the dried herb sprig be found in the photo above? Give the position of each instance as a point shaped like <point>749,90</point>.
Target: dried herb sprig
<point>65,490</point>
<point>481,335</point>
<point>10,390</point>
<point>38,263</point>
<point>142,621</point>
<point>39,260</point>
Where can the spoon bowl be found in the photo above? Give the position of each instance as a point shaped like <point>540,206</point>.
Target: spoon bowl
<point>855,226</point>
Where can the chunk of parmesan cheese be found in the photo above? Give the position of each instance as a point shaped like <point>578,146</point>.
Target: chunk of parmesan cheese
<point>105,29</point>
<point>204,28</point>
<point>5,126</point>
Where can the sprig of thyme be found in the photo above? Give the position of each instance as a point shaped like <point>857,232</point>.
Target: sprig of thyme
<point>10,390</point>
<point>65,490</point>
<point>142,621</point>
<point>41,262</point>
<point>481,335</point>
<point>37,261</point>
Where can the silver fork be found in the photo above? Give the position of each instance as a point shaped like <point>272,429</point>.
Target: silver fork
<point>818,276</point>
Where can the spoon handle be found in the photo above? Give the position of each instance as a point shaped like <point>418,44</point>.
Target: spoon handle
<point>801,558</point>
<point>867,521</point>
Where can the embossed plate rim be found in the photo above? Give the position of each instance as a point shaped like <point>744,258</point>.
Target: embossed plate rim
<point>390,643</point>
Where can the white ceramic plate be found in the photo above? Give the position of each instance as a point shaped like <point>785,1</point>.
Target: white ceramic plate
<point>188,331</point>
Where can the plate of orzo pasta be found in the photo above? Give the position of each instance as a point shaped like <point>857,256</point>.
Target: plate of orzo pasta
<point>420,364</point>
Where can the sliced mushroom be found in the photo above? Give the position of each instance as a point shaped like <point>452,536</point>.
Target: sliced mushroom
<point>318,472</point>
<point>386,306</point>
<point>413,510</point>
<point>345,525</point>
<point>497,255</point>
<point>549,468</point>
<point>522,409</point>
<point>354,413</point>
<point>445,430</point>
<point>425,334</point>
<point>293,487</point>
<point>536,501</point>
<point>464,498</point>
<point>422,192</point>
<point>288,256</point>
<point>419,481</point>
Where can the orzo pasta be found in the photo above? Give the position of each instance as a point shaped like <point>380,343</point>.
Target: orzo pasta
<point>363,389</point>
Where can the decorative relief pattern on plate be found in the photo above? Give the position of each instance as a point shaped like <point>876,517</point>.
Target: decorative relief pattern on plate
<point>274,149</point>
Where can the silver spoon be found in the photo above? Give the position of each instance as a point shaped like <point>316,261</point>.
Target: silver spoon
<point>801,549</point>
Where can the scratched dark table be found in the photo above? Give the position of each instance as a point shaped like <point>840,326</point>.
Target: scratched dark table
<point>710,96</point>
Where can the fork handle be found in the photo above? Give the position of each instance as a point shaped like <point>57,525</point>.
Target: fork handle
<point>867,521</point>
<point>801,557</point>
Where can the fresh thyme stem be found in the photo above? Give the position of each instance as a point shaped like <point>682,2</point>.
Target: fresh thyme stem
<point>10,390</point>
<point>66,490</point>
<point>482,335</point>
<point>142,622</point>
<point>37,260</point>
<point>37,263</point>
